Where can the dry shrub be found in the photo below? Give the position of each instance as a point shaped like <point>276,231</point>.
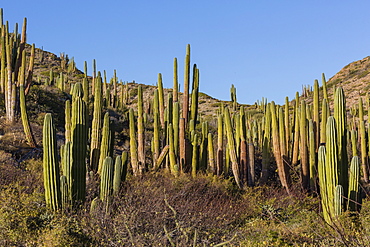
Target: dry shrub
<point>158,209</point>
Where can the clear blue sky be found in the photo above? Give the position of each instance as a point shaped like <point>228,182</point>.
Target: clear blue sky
<point>266,48</point>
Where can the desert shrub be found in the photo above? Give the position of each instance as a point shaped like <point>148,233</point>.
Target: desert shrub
<point>42,100</point>
<point>20,214</point>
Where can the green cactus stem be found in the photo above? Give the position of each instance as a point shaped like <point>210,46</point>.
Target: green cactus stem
<point>106,182</point>
<point>118,167</point>
<point>25,121</point>
<point>79,132</point>
<point>50,165</point>
<point>232,148</point>
<point>185,106</point>
<point>354,196</point>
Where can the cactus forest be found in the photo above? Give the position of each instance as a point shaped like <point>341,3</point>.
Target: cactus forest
<point>88,160</point>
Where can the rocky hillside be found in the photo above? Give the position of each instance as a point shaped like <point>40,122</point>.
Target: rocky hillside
<point>354,78</point>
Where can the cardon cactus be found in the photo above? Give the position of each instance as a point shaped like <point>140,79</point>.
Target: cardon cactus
<point>79,132</point>
<point>105,147</point>
<point>185,106</point>
<point>328,162</point>
<point>174,168</point>
<point>50,165</point>
<point>140,129</point>
<point>96,125</point>
<point>133,145</point>
<point>106,182</point>
<point>354,185</point>
<point>26,124</point>
<point>118,168</point>
<point>232,148</point>
<point>283,170</point>
<point>340,116</point>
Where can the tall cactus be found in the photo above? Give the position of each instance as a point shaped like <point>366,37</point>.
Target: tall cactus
<point>296,131</point>
<point>325,113</point>
<point>203,151</point>
<point>26,124</point>
<point>182,145</point>
<point>194,98</point>
<point>220,149</point>
<point>175,82</point>
<point>194,161</point>
<point>161,99</point>
<point>251,165</point>
<point>283,171</point>
<point>67,166</point>
<point>340,116</point>
<point>328,171</point>
<point>316,115</point>
<point>305,170</point>
<point>118,169</point>
<point>96,125</point>
<point>50,164</point>
<point>175,125</point>
<point>312,155</point>
<point>354,185</point>
<point>185,106</point>
<point>133,145</point>
<point>140,129</point>
<point>266,145</point>
<point>106,182</point>
<point>364,155</point>
<point>232,148</point>
<point>233,96</point>
<point>105,146</point>
<point>79,132</point>
<point>174,168</point>
<point>211,154</point>
<point>324,88</point>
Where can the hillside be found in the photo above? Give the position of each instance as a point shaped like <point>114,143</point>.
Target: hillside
<point>161,207</point>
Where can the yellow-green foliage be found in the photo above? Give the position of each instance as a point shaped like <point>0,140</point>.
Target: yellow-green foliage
<point>20,214</point>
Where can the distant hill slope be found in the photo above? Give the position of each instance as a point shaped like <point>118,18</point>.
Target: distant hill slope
<point>354,78</point>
